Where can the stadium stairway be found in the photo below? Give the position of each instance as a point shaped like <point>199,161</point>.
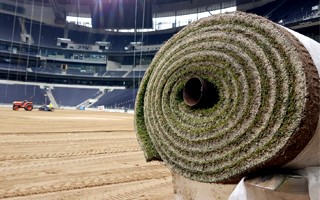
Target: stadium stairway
<point>90,102</point>
<point>51,98</point>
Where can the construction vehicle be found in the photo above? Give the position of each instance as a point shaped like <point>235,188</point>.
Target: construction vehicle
<point>27,105</point>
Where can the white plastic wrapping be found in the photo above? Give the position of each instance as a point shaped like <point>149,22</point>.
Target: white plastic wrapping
<point>310,156</point>
<point>308,161</point>
<point>240,192</point>
<point>313,174</point>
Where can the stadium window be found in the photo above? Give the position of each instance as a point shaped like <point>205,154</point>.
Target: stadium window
<point>82,21</point>
<point>159,23</point>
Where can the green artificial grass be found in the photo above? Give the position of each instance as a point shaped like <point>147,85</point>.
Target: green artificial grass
<point>268,106</point>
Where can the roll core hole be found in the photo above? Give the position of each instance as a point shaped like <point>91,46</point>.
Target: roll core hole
<point>198,93</point>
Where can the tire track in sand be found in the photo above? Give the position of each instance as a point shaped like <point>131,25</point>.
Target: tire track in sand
<point>71,154</point>
<point>117,176</point>
<point>115,157</point>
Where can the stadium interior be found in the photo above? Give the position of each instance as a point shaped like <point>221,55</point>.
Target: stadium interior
<point>46,58</point>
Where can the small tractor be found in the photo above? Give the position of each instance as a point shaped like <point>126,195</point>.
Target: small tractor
<point>27,105</point>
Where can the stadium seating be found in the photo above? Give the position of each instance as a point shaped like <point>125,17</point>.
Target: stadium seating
<point>101,72</point>
<point>13,67</point>
<point>111,73</point>
<point>136,74</point>
<point>10,93</point>
<point>10,27</point>
<point>72,96</point>
<point>285,12</point>
<point>156,38</point>
<point>81,37</point>
<point>74,71</point>
<point>118,99</point>
<point>47,70</point>
<point>49,35</point>
<point>42,34</point>
<point>78,72</point>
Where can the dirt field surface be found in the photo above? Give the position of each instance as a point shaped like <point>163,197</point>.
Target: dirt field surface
<point>69,154</point>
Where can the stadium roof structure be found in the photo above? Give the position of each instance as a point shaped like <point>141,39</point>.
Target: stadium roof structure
<point>109,11</point>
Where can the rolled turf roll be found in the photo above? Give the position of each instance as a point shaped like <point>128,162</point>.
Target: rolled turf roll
<point>229,95</point>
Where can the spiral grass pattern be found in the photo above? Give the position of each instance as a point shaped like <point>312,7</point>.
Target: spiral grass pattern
<point>268,99</point>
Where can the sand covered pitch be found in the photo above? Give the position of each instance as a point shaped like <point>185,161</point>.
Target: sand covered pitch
<point>76,155</point>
